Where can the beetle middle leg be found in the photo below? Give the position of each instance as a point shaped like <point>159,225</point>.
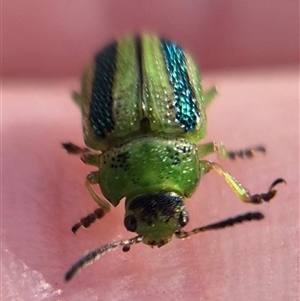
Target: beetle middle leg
<point>88,156</point>
<point>242,193</point>
<point>220,150</point>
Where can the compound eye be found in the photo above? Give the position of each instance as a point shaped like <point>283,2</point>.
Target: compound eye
<point>183,219</point>
<point>130,223</point>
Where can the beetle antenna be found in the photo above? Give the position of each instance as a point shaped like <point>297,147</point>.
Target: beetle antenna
<point>249,216</point>
<point>97,253</point>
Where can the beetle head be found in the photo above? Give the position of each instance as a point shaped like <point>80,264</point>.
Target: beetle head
<point>156,216</point>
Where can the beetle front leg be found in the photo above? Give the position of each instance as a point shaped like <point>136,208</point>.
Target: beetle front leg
<point>92,179</point>
<point>86,221</point>
<point>242,193</point>
<point>220,150</point>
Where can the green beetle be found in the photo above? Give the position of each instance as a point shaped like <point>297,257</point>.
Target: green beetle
<point>144,110</point>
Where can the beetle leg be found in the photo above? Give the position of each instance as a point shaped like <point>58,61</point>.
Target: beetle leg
<point>77,98</point>
<point>220,150</point>
<point>209,95</point>
<point>88,156</point>
<point>89,219</point>
<point>243,153</point>
<point>91,179</point>
<point>86,221</point>
<point>74,149</point>
<point>242,193</point>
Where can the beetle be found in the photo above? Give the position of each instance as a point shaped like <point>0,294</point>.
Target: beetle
<point>143,113</point>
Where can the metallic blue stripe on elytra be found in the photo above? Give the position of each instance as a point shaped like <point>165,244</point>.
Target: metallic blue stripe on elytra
<point>184,97</point>
<point>101,103</point>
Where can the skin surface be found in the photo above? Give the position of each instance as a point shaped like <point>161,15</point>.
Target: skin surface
<point>43,196</point>
<point>56,38</point>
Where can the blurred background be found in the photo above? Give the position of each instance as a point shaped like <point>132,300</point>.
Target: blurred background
<point>56,38</point>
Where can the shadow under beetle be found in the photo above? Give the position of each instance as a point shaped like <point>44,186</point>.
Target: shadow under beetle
<point>144,110</point>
